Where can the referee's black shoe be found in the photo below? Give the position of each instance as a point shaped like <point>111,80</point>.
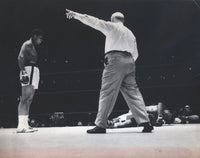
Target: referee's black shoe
<point>96,130</point>
<point>147,127</point>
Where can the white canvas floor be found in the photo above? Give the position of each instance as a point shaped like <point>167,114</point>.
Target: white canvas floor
<point>72,142</point>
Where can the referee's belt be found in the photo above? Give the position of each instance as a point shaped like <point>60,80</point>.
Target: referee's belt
<point>125,53</point>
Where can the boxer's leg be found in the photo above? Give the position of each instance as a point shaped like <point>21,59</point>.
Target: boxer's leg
<point>160,121</point>
<point>24,106</point>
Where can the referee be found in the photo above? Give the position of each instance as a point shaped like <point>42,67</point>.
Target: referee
<point>119,72</point>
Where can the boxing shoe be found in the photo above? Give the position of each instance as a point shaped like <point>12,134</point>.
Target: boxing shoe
<point>26,130</point>
<point>159,121</point>
<point>96,130</point>
<point>147,127</point>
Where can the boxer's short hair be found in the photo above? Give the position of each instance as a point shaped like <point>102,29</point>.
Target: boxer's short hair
<point>37,32</point>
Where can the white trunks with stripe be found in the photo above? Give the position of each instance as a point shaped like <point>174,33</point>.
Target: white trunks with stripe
<point>34,76</point>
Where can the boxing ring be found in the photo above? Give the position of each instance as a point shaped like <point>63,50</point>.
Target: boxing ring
<point>180,140</point>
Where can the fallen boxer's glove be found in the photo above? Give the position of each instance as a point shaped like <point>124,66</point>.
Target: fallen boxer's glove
<point>24,78</point>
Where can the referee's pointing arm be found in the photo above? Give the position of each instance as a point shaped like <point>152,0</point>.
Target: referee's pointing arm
<point>98,24</point>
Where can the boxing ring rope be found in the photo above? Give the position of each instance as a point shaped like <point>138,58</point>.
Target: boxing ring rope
<point>96,90</point>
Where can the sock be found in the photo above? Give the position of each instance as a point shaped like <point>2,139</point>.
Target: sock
<point>26,121</point>
<point>21,121</point>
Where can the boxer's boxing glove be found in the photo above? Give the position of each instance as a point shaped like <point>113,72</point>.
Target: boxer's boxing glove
<point>24,77</point>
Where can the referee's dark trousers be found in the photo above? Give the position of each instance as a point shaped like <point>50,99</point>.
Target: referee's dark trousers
<point>119,75</point>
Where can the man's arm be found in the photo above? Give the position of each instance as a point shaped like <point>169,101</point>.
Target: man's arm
<point>21,58</point>
<point>98,24</point>
<point>21,62</point>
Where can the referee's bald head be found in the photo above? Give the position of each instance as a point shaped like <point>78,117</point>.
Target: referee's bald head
<point>117,17</point>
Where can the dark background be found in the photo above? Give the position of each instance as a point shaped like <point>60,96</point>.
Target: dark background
<point>71,57</point>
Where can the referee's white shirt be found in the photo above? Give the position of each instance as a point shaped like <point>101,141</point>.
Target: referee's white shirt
<point>118,36</point>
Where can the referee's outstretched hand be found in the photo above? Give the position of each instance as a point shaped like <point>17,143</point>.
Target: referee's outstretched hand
<point>70,14</point>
